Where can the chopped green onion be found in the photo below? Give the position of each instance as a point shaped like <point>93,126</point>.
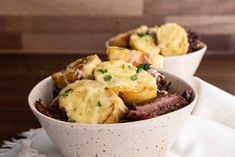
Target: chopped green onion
<point>66,92</point>
<point>107,78</point>
<point>99,104</point>
<point>134,77</point>
<point>71,121</point>
<point>123,66</point>
<point>141,34</point>
<point>85,60</point>
<point>143,67</point>
<point>103,70</point>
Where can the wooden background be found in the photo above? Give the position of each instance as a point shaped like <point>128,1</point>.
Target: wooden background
<point>82,26</point>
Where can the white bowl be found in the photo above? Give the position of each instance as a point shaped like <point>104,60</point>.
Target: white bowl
<point>183,66</point>
<point>148,138</point>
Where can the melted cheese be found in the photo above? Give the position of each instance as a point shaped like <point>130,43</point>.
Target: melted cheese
<point>135,57</point>
<point>121,82</point>
<point>76,70</point>
<point>90,101</point>
<point>145,44</point>
<point>172,39</point>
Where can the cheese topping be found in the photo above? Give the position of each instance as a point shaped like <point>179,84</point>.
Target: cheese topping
<point>89,101</point>
<point>125,80</point>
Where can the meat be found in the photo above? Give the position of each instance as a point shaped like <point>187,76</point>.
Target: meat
<point>194,42</point>
<point>157,106</point>
<point>50,111</point>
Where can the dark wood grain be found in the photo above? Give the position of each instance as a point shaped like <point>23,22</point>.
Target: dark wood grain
<point>20,72</point>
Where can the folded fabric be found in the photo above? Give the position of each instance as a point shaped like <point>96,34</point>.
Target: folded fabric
<point>209,131</point>
<point>204,138</point>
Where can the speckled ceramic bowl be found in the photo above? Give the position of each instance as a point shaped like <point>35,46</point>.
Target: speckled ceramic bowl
<point>183,66</point>
<point>149,138</point>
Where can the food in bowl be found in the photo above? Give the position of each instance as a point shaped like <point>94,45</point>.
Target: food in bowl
<point>169,39</point>
<point>94,92</point>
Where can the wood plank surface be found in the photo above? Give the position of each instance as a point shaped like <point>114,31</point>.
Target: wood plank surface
<point>71,7</point>
<point>189,7</point>
<point>20,72</point>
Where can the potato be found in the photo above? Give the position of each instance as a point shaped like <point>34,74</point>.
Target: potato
<point>144,42</point>
<point>90,101</point>
<point>122,77</point>
<point>79,69</point>
<point>122,40</point>
<point>172,40</point>
<point>135,57</point>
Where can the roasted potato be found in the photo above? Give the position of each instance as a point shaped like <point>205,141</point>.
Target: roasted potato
<point>135,57</point>
<point>122,77</point>
<point>79,69</point>
<point>90,101</point>
<point>144,42</point>
<point>122,40</point>
<point>172,40</point>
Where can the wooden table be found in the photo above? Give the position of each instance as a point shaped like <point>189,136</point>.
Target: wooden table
<point>20,72</point>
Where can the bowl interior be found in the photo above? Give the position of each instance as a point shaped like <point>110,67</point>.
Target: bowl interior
<point>44,90</point>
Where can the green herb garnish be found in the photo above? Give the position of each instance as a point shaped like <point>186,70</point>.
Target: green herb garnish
<point>103,70</point>
<point>85,60</point>
<point>107,78</point>
<point>141,34</point>
<point>143,67</point>
<point>134,77</point>
<point>66,92</point>
<point>129,66</point>
<point>99,104</point>
<point>123,66</point>
<point>71,121</point>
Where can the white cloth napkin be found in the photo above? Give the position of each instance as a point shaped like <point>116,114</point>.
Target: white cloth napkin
<point>209,132</point>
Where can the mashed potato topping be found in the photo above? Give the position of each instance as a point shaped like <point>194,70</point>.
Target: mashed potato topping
<point>90,101</point>
<point>122,77</point>
<point>172,39</point>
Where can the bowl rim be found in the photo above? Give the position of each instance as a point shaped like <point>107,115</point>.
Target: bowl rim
<point>113,125</point>
<point>203,49</point>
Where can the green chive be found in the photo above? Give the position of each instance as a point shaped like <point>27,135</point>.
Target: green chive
<point>71,121</point>
<point>133,77</point>
<point>66,92</point>
<point>129,66</point>
<point>99,104</point>
<point>85,60</point>
<point>141,34</point>
<point>103,70</point>
<point>123,66</point>
<point>143,67</point>
<point>107,78</point>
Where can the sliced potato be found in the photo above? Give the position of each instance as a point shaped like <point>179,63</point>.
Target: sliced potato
<point>144,42</point>
<point>135,57</point>
<point>172,39</point>
<point>79,69</point>
<point>122,40</point>
<point>90,101</point>
<point>122,77</point>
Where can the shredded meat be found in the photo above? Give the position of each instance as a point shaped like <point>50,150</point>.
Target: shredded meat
<point>194,42</point>
<point>157,106</point>
<point>188,95</point>
<point>162,83</point>
<point>51,111</point>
